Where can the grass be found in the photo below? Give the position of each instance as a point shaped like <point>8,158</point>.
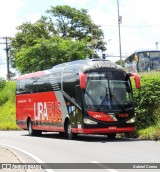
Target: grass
<point>8,93</point>
<point>7,107</point>
<point>152,132</point>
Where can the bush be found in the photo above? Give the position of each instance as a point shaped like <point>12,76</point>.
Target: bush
<point>147,100</point>
<point>8,92</point>
<point>7,107</point>
<point>2,83</point>
<point>150,133</point>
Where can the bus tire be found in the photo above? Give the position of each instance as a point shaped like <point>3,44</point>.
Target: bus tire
<point>111,136</point>
<point>69,133</point>
<point>31,131</point>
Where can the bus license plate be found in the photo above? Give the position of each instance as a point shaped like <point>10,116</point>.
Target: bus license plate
<point>112,128</point>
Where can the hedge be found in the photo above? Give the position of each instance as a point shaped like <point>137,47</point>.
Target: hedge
<point>147,100</point>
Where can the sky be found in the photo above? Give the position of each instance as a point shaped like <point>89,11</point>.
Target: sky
<point>140,27</point>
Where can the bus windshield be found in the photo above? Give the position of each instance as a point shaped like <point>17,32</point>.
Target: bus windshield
<point>108,91</point>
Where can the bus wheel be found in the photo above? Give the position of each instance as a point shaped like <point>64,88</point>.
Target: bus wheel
<point>69,133</point>
<point>111,136</point>
<point>31,131</point>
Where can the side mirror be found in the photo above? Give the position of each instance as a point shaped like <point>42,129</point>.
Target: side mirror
<point>82,78</point>
<point>136,79</point>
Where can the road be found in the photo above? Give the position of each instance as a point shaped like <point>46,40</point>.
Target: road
<point>52,148</point>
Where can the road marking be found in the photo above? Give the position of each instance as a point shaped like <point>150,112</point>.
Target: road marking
<point>29,154</point>
<point>101,165</point>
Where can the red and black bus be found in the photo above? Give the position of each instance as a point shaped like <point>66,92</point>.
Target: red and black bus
<point>85,96</point>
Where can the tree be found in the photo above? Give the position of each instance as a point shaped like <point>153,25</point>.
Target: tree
<point>63,35</point>
<point>119,62</point>
<point>76,24</point>
<point>48,52</point>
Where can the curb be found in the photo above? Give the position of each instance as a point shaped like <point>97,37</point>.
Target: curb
<point>10,155</point>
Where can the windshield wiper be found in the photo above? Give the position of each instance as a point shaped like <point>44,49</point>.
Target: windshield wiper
<point>117,101</point>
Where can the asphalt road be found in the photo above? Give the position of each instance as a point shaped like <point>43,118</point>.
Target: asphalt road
<point>53,148</point>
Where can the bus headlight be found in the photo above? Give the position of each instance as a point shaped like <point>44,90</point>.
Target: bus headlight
<point>89,121</point>
<point>132,120</point>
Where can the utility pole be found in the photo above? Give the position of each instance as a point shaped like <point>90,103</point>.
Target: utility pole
<point>119,22</point>
<point>7,53</point>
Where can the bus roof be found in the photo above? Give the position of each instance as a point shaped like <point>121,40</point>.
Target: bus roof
<point>31,75</point>
<point>87,64</point>
<point>81,65</point>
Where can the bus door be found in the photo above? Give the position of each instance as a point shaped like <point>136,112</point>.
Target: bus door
<point>79,107</point>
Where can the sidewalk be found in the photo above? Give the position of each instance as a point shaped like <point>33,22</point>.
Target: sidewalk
<point>9,156</point>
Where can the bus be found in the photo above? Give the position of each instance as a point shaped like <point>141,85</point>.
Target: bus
<point>145,60</point>
<point>91,96</point>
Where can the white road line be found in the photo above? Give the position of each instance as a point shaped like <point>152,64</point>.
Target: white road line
<point>29,154</point>
<point>101,165</point>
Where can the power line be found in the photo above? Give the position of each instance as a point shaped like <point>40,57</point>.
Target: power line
<point>132,25</point>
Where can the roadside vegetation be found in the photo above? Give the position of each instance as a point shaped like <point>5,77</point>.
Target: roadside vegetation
<point>7,105</point>
<point>147,106</point>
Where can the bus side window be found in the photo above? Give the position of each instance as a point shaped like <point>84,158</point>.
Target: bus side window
<point>69,81</point>
<point>28,85</point>
<point>78,95</point>
<point>18,87</point>
<point>41,84</point>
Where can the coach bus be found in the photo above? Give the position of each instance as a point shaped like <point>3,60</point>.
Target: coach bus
<point>85,96</point>
<point>145,60</point>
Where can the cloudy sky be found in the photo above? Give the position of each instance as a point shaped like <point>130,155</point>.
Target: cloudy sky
<point>140,27</point>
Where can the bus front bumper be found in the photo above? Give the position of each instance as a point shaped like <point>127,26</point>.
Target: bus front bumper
<point>111,129</point>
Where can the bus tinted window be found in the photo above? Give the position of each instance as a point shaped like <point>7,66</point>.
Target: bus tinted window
<point>24,86</point>
<point>108,90</point>
<point>33,85</point>
<point>41,84</point>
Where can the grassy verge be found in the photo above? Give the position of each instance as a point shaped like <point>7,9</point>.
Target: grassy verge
<point>147,101</point>
<point>152,132</point>
<point>7,107</point>
<point>7,116</point>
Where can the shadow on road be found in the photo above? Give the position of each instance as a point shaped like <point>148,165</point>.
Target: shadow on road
<point>86,138</point>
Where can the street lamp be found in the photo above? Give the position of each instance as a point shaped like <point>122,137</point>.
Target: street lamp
<point>157,45</point>
<point>119,22</point>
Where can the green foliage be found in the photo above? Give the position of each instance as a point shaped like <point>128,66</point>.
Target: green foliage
<point>7,116</point>
<point>49,41</point>
<point>147,100</point>
<point>121,62</point>
<point>48,52</point>
<point>150,133</point>
<point>2,83</point>
<point>7,93</point>
<point>7,107</point>
<point>74,23</point>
